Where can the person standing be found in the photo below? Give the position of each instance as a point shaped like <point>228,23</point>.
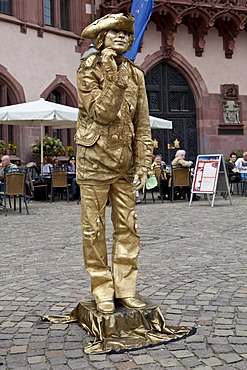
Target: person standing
<point>114,154</point>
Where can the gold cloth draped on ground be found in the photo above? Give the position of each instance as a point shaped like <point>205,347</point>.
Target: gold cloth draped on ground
<point>125,329</point>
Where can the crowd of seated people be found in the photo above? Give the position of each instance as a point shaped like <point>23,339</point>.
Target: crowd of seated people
<point>236,169</point>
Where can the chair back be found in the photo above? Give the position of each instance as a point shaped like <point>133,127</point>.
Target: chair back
<point>59,178</point>
<point>181,176</point>
<point>157,172</point>
<point>14,183</point>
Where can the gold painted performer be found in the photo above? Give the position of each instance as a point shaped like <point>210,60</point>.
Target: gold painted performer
<point>114,153</point>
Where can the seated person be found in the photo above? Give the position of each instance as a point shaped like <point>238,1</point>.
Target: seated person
<point>179,161</point>
<point>241,164</point>
<point>71,164</point>
<point>5,166</point>
<point>232,169</point>
<point>159,169</point>
<point>72,180</point>
<point>47,167</point>
<point>56,162</point>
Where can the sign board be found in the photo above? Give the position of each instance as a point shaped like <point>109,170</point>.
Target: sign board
<point>210,176</point>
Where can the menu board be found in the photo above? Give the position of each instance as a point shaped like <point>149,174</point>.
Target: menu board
<point>210,177</point>
<point>206,173</point>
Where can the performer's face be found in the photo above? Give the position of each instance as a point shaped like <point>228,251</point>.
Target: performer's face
<point>117,40</point>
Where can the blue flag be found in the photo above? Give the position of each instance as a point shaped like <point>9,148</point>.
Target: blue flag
<point>141,10</point>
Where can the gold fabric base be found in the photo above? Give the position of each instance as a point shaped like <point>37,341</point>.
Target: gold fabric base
<point>125,329</point>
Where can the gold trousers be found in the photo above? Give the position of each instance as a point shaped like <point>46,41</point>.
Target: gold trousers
<point>120,280</point>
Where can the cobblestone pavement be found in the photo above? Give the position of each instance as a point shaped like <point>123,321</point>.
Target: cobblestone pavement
<point>193,264</point>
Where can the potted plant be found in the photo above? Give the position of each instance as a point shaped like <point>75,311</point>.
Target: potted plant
<point>2,147</point>
<point>51,147</point>
<point>12,148</point>
<point>70,150</point>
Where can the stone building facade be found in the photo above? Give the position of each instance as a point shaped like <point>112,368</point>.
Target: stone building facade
<point>193,55</point>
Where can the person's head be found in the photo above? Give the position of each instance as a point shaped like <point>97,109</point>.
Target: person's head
<point>113,30</point>
<point>5,160</point>
<point>233,157</point>
<point>158,159</point>
<point>117,40</point>
<point>56,162</point>
<point>180,153</point>
<point>71,159</point>
<point>245,156</point>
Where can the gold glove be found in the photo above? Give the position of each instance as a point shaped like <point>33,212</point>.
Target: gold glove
<point>108,62</point>
<point>140,178</point>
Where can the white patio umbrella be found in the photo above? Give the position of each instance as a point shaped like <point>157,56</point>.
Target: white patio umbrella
<point>160,123</point>
<point>154,123</point>
<point>39,113</point>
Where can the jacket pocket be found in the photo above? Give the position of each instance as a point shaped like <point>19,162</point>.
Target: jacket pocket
<point>87,136</point>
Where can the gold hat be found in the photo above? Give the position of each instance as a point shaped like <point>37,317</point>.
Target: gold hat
<point>110,21</point>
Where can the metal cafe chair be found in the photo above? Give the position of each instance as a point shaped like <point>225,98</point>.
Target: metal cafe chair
<point>180,176</point>
<point>14,186</point>
<point>59,179</point>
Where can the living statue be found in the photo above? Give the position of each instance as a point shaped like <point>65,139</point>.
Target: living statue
<point>114,153</point>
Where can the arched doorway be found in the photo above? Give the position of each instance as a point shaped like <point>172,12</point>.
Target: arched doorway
<point>170,97</point>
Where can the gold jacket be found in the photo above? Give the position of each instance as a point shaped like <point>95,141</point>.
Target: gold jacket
<point>113,128</point>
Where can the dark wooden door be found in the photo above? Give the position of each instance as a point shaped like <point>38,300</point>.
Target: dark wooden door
<point>170,97</point>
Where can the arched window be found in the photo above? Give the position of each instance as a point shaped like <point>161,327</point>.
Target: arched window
<point>56,96</point>
<point>61,91</point>
<point>11,92</point>
<point>6,131</point>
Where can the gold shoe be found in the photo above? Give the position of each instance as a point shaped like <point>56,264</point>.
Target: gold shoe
<point>132,302</point>
<point>106,307</point>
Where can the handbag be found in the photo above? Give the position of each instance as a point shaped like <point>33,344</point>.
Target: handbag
<point>151,182</point>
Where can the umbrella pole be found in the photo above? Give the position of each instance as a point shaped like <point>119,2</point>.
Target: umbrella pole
<point>41,146</point>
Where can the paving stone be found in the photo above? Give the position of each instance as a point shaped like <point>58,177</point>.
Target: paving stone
<point>127,365</point>
<point>230,357</point>
<point>212,361</point>
<point>36,359</point>
<point>143,359</point>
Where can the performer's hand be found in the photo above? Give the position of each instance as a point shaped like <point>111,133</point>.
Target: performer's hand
<point>108,61</point>
<point>140,179</point>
